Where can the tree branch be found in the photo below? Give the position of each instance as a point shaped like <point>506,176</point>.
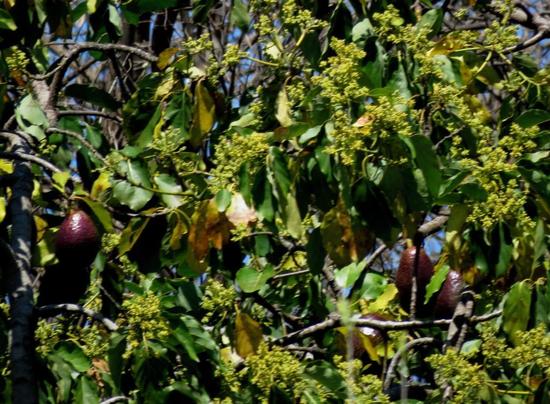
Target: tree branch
<point>81,139</point>
<point>30,158</point>
<point>52,309</point>
<point>397,357</point>
<point>19,282</point>
<point>89,112</point>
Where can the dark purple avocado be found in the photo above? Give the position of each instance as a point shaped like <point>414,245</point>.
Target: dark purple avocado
<point>449,295</point>
<point>77,241</point>
<point>404,277</point>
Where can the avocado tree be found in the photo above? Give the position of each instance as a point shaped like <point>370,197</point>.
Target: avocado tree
<point>274,201</point>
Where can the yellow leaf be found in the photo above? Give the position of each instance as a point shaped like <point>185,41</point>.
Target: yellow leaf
<point>165,57</point>
<point>60,179</point>
<point>101,184</point>
<point>208,227</point>
<point>2,209</point>
<point>384,299</point>
<point>344,241</point>
<point>165,88</point>
<point>6,166</point>
<point>248,335</point>
<point>204,114</point>
<point>283,109</point>
<point>177,233</point>
<point>41,227</point>
<point>239,213</point>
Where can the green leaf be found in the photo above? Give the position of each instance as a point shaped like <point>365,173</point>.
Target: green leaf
<point>436,281</point>
<point>73,355</point>
<point>239,15</point>
<point>292,218</point>
<point>263,195</point>
<point>532,117</point>
<point>167,183</point>
<point>186,340</point>
<point>431,20</point>
<point>251,280</point>
<point>281,174</point>
<point>223,199</point>
<point>516,310</point>
<point>101,213</point>
<point>6,21</point>
<point>309,134</point>
<point>540,246</point>
<point>28,113</point>
<point>86,391</point>
<point>328,376</point>
<point>347,276</point>
<point>133,197</point>
<point>504,253</point>
<point>146,136</point>
<point>373,286</point>
<point>93,95</point>
<point>424,155</point>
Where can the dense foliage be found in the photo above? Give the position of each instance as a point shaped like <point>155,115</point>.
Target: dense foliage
<point>255,169</point>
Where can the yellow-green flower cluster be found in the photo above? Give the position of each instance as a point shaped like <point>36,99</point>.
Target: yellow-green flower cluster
<point>498,37</point>
<point>17,62</point>
<point>292,14</point>
<point>94,341</point>
<point>144,321</point>
<point>47,335</point>
<point>276,367</point>
<point>379,122</point>
<point>388,23</point>
<point>167,142</point>
<point>467,380</point>
<point>195,46</point>
<point>533,350</point>
<point>493,158</point>
<point>234,151</point>
<point>365,388</point>
<point>109,242</point>
<point>218,300</point>
<point>341,73</point>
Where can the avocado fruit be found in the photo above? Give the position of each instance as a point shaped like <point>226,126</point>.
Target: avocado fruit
<point>77,242</point>
<point>358,336</point>
<point>404,279</point>
<point>449,295</point>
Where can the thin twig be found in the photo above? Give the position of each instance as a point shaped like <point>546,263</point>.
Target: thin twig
<point>89,112</point>
<point>397,357</point>
<point>81,139</point>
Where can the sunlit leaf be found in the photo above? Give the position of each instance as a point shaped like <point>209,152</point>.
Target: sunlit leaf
<point>248,335</point>
<point>515,314</point>
<point>251,280</point>
<point>283,109</point>
<point>204,114</point>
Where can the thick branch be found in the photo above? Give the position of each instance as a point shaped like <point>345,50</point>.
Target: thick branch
<point>335,321</point>
<point>30,158</point>
<point>53,309</point>
<point>19,282</point>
